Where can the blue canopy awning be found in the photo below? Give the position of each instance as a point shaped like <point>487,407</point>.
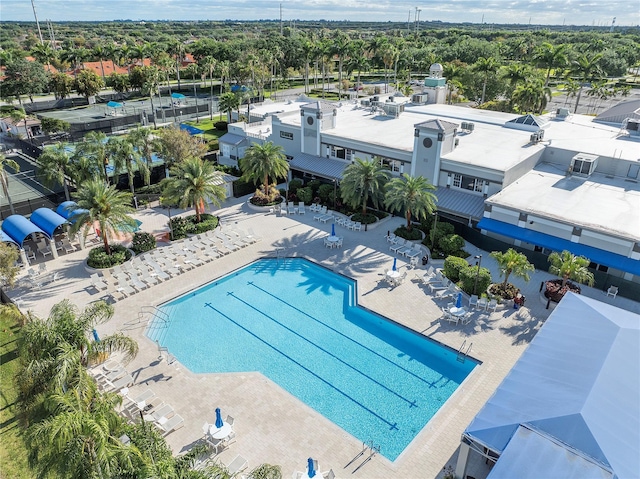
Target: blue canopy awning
<point>5,238</point>
<point>68,210</point>
<point>597,255</point>
<point>177,95</point>
<point>18,228</point>
<point>114,104</point>
<point>192,130</point>
<point>47,220</point>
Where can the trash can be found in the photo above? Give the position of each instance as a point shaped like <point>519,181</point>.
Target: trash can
<point>425,259</point>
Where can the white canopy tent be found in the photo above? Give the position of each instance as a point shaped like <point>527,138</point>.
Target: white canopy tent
<point>570,407</point>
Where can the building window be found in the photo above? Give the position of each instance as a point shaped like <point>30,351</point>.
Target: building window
<point>338,152</point>
<point>468,183</point>
<point>286,135</point>
<point>633,171</point>
<point>349,154</point>
<point>392,165</point>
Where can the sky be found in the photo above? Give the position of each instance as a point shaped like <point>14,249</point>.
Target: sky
<point>538,12</point>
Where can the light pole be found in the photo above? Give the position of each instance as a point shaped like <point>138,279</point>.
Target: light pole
<point>170,226</point>
<point>478,263</point>
<point>335,192</point>
<point>433,231</point>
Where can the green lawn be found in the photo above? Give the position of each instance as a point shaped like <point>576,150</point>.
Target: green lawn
<point>210,133</point>
<point>13,452</point>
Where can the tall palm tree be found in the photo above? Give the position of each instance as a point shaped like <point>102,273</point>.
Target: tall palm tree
<point>340,47</point>
<point>586,67</point>
<point>512,262</point>
<point>176,48</point>
<point>358,61</point>
<point>193,181</point>
<point>57,350</point>
<point>100,203</point>
<point>55,167</point>
<point>165,63</point>
<point>550,56</point>
<point>228,102</point>
<point>44,53</point>
<point>100,52</point>
<point>94,149</point>
<point>4,162</point>
<point>413,194</point>
<point>143,140</point>
<point>531,97</point>
<point>571,267</point>
<point>362,181</point>
<point>262,161</point>
<point>80,437</point>
<point>486,66</point>
<point>127,158</point>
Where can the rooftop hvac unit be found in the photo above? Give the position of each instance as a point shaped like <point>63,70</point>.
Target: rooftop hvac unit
<point>633,127</point>
<point>419,98</point>
<point>365,103</point>
<point>562,112</point>
<point>536,137</point>
<point>467,126</point>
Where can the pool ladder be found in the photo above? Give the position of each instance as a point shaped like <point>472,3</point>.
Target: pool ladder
<point>462,354</point>
<point>150,314</point>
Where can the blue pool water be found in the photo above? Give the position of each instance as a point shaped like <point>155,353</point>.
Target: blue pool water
<point>299,324</point>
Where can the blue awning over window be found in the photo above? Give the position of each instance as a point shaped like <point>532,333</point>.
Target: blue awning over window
<point>18,228</point>
<point>47,220</point>
<point>597,255</point>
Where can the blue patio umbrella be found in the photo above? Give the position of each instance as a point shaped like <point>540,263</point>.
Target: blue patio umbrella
<point>394,264</point>
<point>459,300</point>
<point>219,422</point>
<point>95,336</point>
<point>311,471</point>
<point>333,229</point>
<point>177,95</point>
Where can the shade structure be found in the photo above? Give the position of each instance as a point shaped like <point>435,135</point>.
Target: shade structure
<point>311,472</point>
<point>95,336</point>
<point>219,422</point>
<point>5,238</point>
<point>69,210</point>
<point>192,130</point>
<point>395,260</point>
<point>47,220</point>
<point>177,95</point>
<point>333,229</point>
<point>18,227</point>
<point>459,300</point>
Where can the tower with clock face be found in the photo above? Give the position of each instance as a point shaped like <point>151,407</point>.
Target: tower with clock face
<point>315,117</point>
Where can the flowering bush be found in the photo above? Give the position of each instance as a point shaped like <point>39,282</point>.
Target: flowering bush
<point>555,291</point>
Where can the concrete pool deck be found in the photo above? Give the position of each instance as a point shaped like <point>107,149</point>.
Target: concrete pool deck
<point>273,426</point>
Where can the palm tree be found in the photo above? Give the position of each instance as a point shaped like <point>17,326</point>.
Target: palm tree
<point>44,53</point>
<point>571,267</point>
<point>193,181</point>
<point>340,47</point>
<point>80,437</point>
<point>550,56</point>
<point>413,194</point>
<point>94,149</point>
<point>56,166</point>
<point>227,103</point>
<point>263,161</point>
<point>143,140</point>
<point>512,262</point>
<point>586,68</point>
<point>532,96</point>
<point>125,157</point>
<point>362,181</point>
<point>57,350</point>
<point>486,66</point>
<point>4,162</point>
<point>100,203</point>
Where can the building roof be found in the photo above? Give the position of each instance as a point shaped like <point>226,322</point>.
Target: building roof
<point>620,112</point>
<point>460,203</point>
<point>47,220</point>
<point>231,139</point>
<point>563,386</point>
<point>108,66</point>
<point>320,105</point>
<point>18,227</point>
<point>318,165</point>
<point>608,205</point>
<point>438,125</point>
<point>527,122</point>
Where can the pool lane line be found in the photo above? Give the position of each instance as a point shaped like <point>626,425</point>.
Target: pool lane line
<point>373,380</point>
<point>391,425</point>
<point>411,373</point>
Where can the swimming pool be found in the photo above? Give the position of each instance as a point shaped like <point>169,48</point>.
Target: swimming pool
<point>300,325</point>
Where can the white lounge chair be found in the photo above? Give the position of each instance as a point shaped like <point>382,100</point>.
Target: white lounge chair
<point>321,213</point>
<point>325,218</point>
<point>118,384</point>
<point>176,422</point>
<point>357,226</point>
<point>397,245</point>
<point>251,234</point>
<point>391,238</point>
<point>238,464</point>
<point>612,291</point>
<point>301,210</point>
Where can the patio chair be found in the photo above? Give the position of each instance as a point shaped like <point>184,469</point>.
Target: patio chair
<point>408,246</point>
<point>159,412</point>
<point>493,305</point>
<point>176,422</point>
<point>68,247</point>
<point>320,214</point>
<point>357,226</point>
<point>482,303</point>
<point>391,238</point>
<point>339,242</point>
<point>415,252</point>
<point>230,420</point>
<point>30,253</point>
<point>301,210</point>
<point>348,224</point>
<point>251,234</point>
<point>398,245</point>
<point>466,317</point>
<point>45,251</point>
<point>400,279</point>
<point>42,268</point>
<point>327,243</point>
<point>118,384</point>
<point>291,210</point>
<point>238,464</point>
<point>328,474</point>
<point>326,218</point>
<point>98,284</point>
<point>473,300</point>
<point>612,291</point>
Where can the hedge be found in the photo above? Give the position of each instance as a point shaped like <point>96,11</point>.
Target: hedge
<point>99,259</point>
<point>452,267</point>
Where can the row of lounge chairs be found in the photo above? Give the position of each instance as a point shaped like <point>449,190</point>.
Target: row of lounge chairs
<point>350,225</point>
<point>404,247</point>
<point>162,264</point>
<point>113,377</point>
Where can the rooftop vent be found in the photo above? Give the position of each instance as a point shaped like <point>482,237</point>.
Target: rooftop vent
<point>419,98</point>
<point>536,137</point>
<point>467,126</point>
<point>562,113</point>
<point>633,127</point>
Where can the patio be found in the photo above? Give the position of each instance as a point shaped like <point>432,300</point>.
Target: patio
<point>271,424</point>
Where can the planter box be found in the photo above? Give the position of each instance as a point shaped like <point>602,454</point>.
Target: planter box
<point>261,209</point>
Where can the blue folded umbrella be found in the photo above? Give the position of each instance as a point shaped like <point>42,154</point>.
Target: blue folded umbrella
<point>311,471</point>
<point>333,229</point>
<point>394,264</point>
<point>459,300</point>
<point>219,422</point>
<point>95,336</point>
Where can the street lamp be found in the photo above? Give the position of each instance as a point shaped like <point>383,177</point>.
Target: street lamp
<point>478,263</point>
<point>335,192</point>
<point>433,231</point>
<point>170,226</point>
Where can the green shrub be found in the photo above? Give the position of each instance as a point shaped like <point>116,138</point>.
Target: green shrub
<point>325,192</point>
<point>294,185</point>
<point>468,279</point>
<point>143,242</point>
<point>305,194</point>
<point>207,223</point>
<point>99,259</point>
<point>221,125</point>
<point>367,219</point>
<point>186,225</point>
<point>413,235</point>
<point>452,267</point>
<point>451,244</point>
<point>314,185</point>
<point>213,145</point>
<point>180,227</point>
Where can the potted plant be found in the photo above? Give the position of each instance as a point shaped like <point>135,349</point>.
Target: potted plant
<point>569,267</point>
